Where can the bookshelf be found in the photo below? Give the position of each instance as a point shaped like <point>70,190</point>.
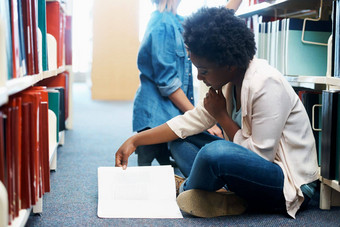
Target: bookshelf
<point>316,9</point>
<point>16,82</point>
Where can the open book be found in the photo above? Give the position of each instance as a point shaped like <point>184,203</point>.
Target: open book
<point>137,192</point>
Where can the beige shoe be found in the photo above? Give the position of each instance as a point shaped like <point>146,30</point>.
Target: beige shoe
<point>179,180</point>
<point>206,204</point>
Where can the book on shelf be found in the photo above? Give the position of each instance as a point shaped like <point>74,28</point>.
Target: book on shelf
<point>43,29</point>
<point>329,143</point>
<point>28,29</point>
<point>6,24</point>
<point>26,183</point>
<point>22,52</point>
<point>54,105</point>
<point>2,148</point>
<point>15,38</point>
<point>3,52</point>
<point>36,36</point>
<point>55,19</point>
<point>68,40</point>
<point>43,138</point>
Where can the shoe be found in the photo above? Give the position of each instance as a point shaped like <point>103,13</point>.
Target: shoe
<point>206,204</point>
<point>178,180</point>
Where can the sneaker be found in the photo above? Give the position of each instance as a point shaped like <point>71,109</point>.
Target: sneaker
<point>206,204</point>
<point>178,180</point>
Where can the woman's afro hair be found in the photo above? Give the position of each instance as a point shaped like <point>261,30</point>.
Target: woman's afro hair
<point>217,35</point>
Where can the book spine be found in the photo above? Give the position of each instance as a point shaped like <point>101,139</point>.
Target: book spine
<point>328,146</point>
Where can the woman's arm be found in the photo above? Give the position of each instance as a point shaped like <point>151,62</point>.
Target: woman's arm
<point>183,103</point>
<point>233,4</point>
<point>160,134</point>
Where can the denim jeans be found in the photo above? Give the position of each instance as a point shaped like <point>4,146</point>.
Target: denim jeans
<point>210,163</point>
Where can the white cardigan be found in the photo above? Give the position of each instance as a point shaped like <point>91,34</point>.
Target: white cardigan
<point>275,125</point>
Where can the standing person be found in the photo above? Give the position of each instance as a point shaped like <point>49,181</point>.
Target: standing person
<point>166,86</point>
<point>270,159</point>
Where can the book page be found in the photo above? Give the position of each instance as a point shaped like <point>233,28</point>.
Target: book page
<point>137,192</point>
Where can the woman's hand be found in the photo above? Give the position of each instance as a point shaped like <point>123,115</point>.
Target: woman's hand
<point>216,131</point>
<point>215,103</point>
<point>123,153</point>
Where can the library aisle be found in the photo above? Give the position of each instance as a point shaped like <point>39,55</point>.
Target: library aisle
<point>99,128</point>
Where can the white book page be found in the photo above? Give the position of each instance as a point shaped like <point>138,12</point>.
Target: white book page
<point>137,192</point>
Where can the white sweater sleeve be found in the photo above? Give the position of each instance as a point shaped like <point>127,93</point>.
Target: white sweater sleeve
<point>191,122</point>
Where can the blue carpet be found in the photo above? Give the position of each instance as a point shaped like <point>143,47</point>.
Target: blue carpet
<point>99,128</point>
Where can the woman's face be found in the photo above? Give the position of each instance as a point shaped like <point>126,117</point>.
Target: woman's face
<point>211,73</point>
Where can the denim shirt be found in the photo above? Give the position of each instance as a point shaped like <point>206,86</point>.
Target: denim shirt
<point>164,67</point>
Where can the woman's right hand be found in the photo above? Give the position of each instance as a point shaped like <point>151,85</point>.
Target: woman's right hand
<point>123,153</point>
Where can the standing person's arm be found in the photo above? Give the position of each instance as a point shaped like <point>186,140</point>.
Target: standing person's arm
<point>181,100</point>
<point>160,134</point>
<point>233,4</point>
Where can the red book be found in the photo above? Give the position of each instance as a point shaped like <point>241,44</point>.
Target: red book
<point>26,179</point>
<point>16,125</point>
<point>43,137</point>
<point>15,38</point>
<point>28,31</point>
<point>15,162</point>
<point>34,10</point>
<point>34,98</point>
<point>55,27</point>
<point>2,149</point>
<point>9,163</point>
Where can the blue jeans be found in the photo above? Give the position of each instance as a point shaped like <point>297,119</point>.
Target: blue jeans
<point>210,163</point>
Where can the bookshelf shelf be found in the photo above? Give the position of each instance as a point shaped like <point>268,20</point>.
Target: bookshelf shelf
<point>281,8</point>
<point>16,85</point>
<point>312,81</point>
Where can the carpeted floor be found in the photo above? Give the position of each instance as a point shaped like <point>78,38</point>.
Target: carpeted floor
<point>99,128</point>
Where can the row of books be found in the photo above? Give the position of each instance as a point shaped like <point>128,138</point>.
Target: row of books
<point>336,39</point>
<point>323,109</point>
<point>280,42</point>
<point>29,130</point>
<point>35,34</point>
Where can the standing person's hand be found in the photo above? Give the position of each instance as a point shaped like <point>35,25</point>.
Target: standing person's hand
<point>123,153</point>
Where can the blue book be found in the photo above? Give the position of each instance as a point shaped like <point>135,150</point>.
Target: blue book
<point>304,59</point>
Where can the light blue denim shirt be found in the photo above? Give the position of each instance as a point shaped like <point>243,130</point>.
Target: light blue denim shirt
<point>164,67</point>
